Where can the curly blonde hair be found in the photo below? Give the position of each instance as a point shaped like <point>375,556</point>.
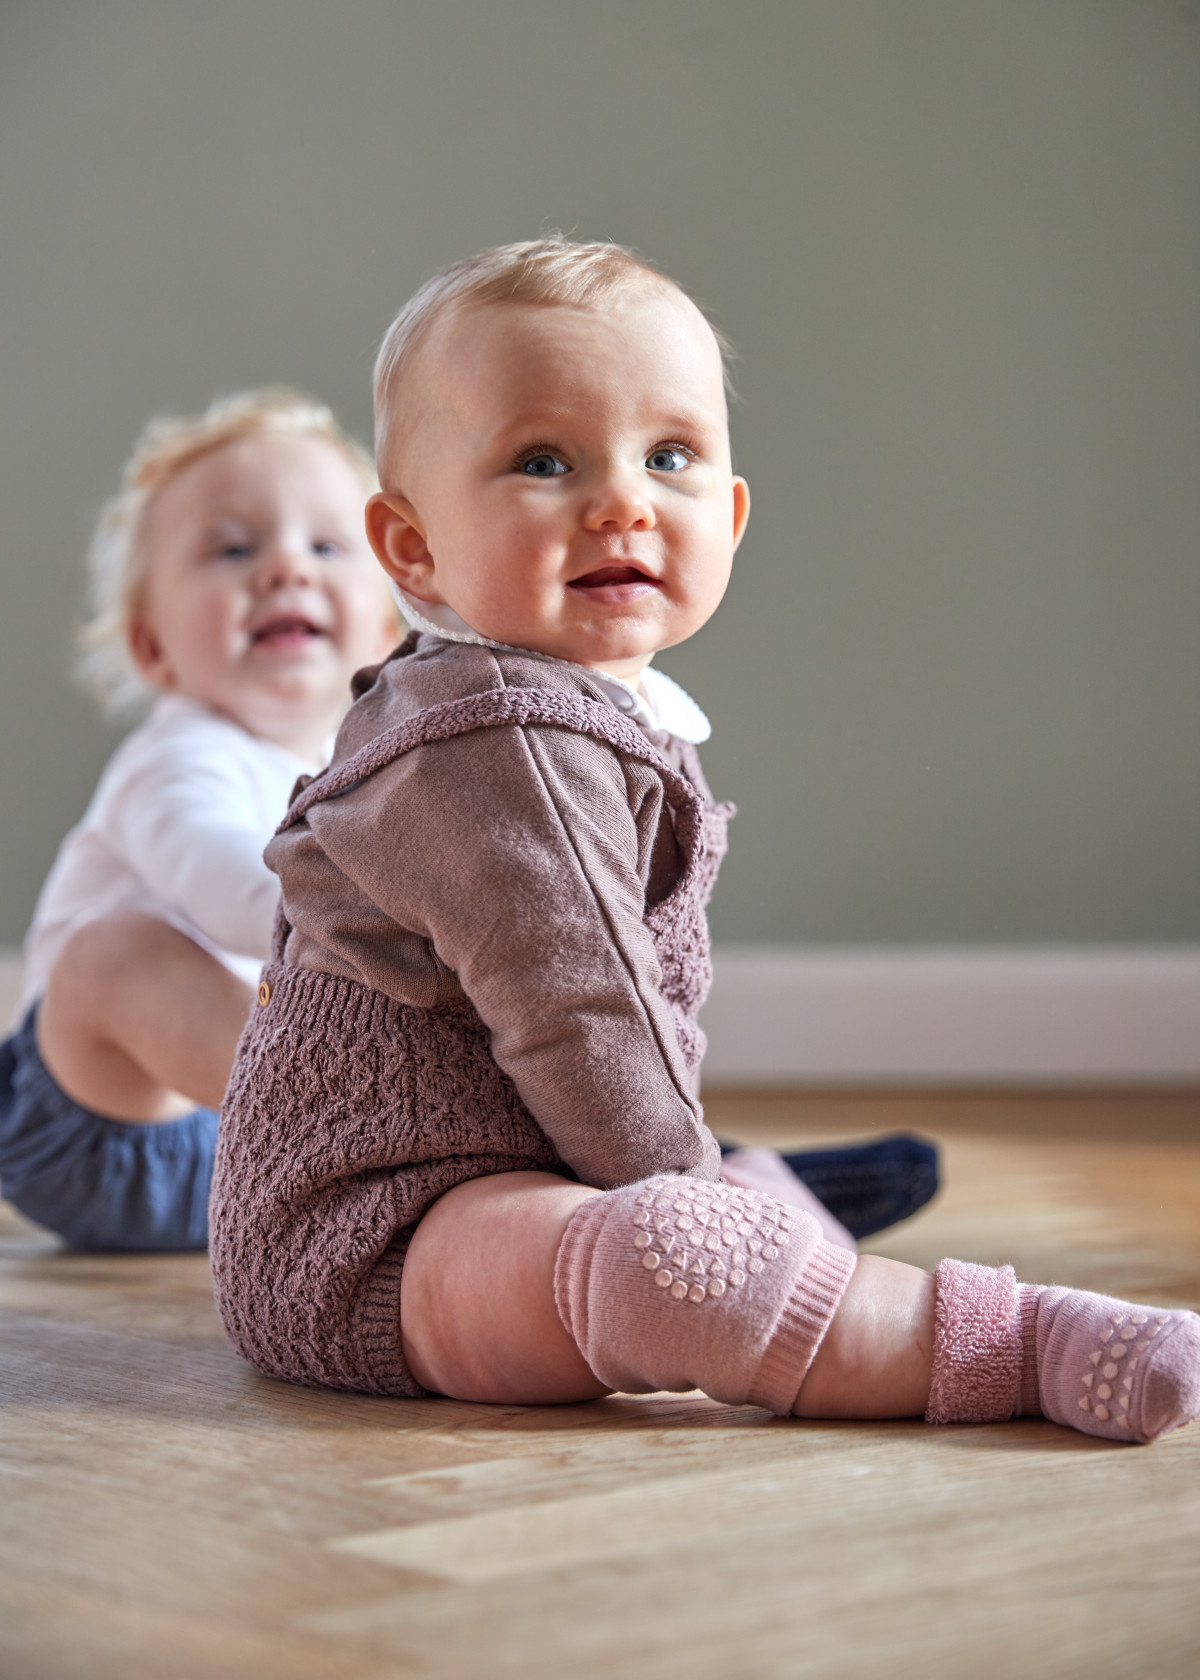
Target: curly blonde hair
<point>116,560</point>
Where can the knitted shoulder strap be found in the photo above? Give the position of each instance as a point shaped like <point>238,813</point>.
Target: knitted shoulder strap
<point>509,706</point>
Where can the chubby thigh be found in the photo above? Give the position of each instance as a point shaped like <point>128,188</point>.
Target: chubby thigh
<point>477,1308</point>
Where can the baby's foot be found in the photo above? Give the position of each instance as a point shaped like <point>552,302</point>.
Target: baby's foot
<point>1126,1372</point>
<point>1110,1368</point>
<point>865,1186</point>
<point>869,1186</point>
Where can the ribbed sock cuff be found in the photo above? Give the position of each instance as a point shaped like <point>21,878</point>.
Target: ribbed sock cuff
<point>800,1329</point>
<point>572,1263</point>
<point>1029,1401</point>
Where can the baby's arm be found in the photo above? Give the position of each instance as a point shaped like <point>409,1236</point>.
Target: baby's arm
<point>516,852</point>
<point>138,1021</point>
<point>190,832</point>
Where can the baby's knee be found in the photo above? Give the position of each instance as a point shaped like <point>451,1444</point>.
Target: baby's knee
<point>106,950</point>
<point>125,960</point>
<point>675,1283</point>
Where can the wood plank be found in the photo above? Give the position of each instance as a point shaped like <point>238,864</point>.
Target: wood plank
<point>165,1510</point>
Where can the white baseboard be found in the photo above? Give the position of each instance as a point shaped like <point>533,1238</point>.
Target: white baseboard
<point>965,1016</point>
<point>929,1016</point>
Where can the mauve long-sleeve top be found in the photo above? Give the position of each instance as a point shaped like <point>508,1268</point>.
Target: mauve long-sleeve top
<point>514,867</point>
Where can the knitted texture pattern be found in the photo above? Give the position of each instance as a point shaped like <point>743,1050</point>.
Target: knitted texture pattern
<point>349,1113</point>
<point>677,1284</point>
<point>678,923</point>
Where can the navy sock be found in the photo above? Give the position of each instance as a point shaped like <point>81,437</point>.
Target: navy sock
<point>868,1186</point>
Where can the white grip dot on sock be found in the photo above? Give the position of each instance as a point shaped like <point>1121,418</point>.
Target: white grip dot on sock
<point>696,1226</point>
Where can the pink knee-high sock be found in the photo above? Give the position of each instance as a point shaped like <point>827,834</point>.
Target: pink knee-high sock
<point>763,1169</point>
<point>675,1283</point>
<point>1111,1368</point>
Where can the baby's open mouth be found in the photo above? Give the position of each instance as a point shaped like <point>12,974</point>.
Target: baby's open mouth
<point>287,630</point>
<point>615,584</point>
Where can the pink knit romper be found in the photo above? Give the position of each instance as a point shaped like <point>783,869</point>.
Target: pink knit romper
<point>349,1113</point>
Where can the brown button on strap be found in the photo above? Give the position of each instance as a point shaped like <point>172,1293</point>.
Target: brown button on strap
<point>264,994</point>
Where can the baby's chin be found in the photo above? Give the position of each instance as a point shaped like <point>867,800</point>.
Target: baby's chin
<point>604,633</point>
<point>309,693</point>
<point>622,645</point>
<point>296,664</point>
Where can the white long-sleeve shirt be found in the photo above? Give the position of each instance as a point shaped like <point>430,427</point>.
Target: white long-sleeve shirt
<point>175,828</point>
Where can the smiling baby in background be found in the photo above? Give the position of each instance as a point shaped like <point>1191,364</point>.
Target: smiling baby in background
<point>233,585</point>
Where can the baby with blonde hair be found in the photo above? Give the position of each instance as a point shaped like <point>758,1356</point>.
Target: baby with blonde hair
<point>233,593</point>
<point>462,1150</point>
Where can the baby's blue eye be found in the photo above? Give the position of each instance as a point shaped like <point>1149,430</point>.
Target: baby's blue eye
<point>234,551</point>
<point>543,466</point>
<point>327,550</point>
<point>667,460</point>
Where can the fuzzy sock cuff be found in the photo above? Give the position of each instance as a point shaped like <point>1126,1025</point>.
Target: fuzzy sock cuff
<point>1109,1367</point>
<point>977,1346</point>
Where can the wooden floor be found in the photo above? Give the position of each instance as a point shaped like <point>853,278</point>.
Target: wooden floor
<point>167,1514</point>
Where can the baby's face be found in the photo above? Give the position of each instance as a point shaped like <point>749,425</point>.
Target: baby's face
<point>261,596</point>
<point>564,480</point>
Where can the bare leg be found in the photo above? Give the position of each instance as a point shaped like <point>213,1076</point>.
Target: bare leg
<point>477,1296</point>
<point>877,1356</point>
<point>137,1022</point>
<point>480,1322</point>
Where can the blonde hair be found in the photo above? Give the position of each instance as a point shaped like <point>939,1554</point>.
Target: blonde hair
<point>544,272</point>
<point>116,560</point>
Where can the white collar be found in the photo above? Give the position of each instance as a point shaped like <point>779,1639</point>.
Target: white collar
<point>661,705</point>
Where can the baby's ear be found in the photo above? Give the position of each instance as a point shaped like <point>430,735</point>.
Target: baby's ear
<point>741,509</point>
<point>395,533</point>
<point>147,653</point>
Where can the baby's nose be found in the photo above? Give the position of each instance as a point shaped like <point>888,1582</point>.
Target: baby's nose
<point>285,562</point>
<point>620,503</point>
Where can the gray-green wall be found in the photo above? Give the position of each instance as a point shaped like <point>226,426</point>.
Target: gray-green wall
<point>957,242</point>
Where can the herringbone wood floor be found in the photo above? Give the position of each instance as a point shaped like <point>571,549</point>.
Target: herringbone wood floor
<point>165,1512</point>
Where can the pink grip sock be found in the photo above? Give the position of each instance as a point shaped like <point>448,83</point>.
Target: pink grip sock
<point>1104,1366</point>
<point>677,1284</point>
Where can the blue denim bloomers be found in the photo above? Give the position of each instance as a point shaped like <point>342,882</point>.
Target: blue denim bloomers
<point>99,1183</point>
